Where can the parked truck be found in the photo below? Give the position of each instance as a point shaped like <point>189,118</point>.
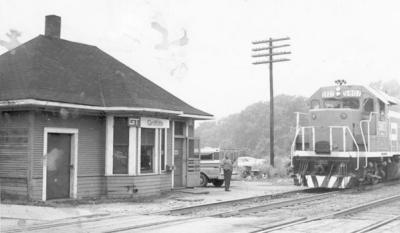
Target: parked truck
<point>210,165</point>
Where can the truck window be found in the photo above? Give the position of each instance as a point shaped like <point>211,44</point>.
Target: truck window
<point>206,156</point>
<point>216,156</point>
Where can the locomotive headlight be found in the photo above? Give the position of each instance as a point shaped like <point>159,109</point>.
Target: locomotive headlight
<point>313,116</point>
<point>343,116</point>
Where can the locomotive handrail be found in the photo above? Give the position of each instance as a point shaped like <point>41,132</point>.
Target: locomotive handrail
<point>358,148</point>
<point>302,129</point>
<point>367,148</point>
<point>298,118</point>
<point>292,147</point>
<point>344,128</point>
<point>368,127</point>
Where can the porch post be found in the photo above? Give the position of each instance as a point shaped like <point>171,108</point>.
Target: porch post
<point>109,145</point>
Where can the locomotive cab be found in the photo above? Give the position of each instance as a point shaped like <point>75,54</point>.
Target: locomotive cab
<point>348,131</point>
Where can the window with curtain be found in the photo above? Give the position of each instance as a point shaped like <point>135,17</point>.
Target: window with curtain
<point>121,145</point>
<point>147,150</point>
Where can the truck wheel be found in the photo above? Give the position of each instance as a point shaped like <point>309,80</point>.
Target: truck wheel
<point>203,180</point>
<point>218,183</point>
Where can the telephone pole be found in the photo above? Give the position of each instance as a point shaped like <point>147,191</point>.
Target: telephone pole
<point>270,47</point>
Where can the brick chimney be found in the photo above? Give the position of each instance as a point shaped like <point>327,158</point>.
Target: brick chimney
<point>53,26</point>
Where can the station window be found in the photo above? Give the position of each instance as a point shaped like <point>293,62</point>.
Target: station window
<point>191,149</point>
<point>133,150</point>
<point>121,146</point>
<point>179,128</point>
<point>147,150</point>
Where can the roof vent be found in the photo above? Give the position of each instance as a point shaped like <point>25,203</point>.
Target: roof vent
<point>53,26</point>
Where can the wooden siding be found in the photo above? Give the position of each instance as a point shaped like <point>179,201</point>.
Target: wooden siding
<point>91,141</point>
<point>13,188</point>
<point>137,186</point>
<point>91,186</point>
<point>36,193</point>
<point>91,146</point>
<point>14,132</point>
<point>14,142</point>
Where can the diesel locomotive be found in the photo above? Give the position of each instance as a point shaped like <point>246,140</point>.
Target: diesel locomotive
<point>349,136</point>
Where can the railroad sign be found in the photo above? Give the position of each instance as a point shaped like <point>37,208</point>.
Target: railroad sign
<point>133,122</point>
<point>148,122</point>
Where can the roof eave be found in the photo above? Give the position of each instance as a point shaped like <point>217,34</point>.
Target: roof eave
<point>42,103</point>
<point>197,117</point>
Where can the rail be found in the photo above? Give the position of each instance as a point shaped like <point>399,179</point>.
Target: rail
<point>292,147</point>
<point>298,114</point>
<point>344,128</point>
<point>367,146</point>
<point>340,213</point>
<point>302,130</point>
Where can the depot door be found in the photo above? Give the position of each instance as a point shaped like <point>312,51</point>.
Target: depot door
<point>58,165</point>
<point>178,162</point>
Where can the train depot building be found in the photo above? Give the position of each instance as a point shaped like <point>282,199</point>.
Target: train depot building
<point>75,123</point>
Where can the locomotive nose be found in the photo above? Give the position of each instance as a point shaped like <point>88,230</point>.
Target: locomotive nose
<point>328,126</point>
<point>333,117</point>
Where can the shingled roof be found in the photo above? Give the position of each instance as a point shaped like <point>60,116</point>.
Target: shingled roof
<point>57,70</point>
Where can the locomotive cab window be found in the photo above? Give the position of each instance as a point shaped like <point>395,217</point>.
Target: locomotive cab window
<point>368,105</point>
<point>352,103</point>
<point>315,104</point>
<point>332,103</point>
<point>382,111</point>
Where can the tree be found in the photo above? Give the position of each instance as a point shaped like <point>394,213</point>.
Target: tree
<point>249,129</point>
<point>391,87</point>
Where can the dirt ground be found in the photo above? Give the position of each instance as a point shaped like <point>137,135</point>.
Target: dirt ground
<point>16,214</point>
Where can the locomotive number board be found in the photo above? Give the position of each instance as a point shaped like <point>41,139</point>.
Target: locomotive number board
<point>343,93</point>
<point>352,93</point>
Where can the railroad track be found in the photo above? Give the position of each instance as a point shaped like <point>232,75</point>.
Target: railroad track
<point>349,213</point>
<point>241,207</point>
<point>102,221</point>
<point>237,202</point>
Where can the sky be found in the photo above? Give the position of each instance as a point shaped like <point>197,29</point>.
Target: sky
<point>201,50</point>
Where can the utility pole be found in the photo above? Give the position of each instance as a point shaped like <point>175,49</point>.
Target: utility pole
<point>270,55</point>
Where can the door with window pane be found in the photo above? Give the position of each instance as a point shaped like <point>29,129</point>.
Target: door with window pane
<point>58,165</point>
<point>178,162</point>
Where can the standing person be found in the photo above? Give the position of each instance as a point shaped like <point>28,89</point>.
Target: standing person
<point>228,167</point>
